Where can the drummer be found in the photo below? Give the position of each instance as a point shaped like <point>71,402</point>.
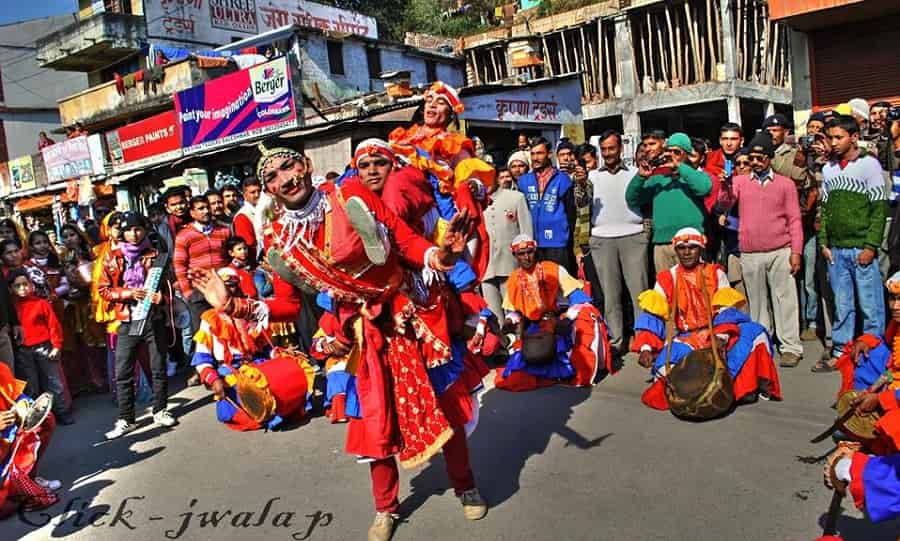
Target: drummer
<point>864,361</point>
<point>20,452</point>
<point>222,345</point>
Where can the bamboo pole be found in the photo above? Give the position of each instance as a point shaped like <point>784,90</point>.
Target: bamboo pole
<point>755,43</point>
<point>739,37</point>
<point>580,60</point>
<point>673,49</point>
<point>548,59</point>
<point>598,64</point>
<point>610,82</point>
<point>683,64</point>
<point>650,51</point>
<point>565,51</point>
<point>695,53</point>
<point>589,55</point>
<point>559,56</point>
<point>709,36</point>
<point>663,58</point>
<point>475,68</point>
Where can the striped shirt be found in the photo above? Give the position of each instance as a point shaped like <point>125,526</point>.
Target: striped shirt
<point>197,249</point>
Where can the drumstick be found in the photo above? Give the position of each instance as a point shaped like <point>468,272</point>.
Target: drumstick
<point>834,511</point>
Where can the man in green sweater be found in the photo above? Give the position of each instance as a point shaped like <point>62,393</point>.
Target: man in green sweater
<point>675,190</point>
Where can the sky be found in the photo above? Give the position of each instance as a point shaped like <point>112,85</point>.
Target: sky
<point>17,10</point>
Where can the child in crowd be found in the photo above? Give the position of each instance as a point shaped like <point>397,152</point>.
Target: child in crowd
<point>238,254</point>
<point>37,357</point>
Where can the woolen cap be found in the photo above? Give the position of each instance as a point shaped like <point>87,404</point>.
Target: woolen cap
<point>762,143</point>
<point>680,140</point>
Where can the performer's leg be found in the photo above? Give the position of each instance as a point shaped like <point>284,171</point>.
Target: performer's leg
<point>456,455</point>
<point>385,484</point>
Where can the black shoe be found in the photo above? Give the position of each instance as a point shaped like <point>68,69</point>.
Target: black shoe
<point>65,419</point>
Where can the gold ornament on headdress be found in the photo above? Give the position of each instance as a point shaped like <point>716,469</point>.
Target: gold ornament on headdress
<point>267,154</point>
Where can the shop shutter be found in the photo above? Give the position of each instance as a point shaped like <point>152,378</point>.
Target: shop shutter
<point>859,60</point>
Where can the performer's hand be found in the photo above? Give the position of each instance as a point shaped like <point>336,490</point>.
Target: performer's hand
<point>7,419</point>
<point>646,359</point>
<point>336,349</point>
<point>865,403</point>
<point>218,389</point>
<point>139,294</point>
<point>54,354</point>
<point>211,286</point>
<point>860,348</point>
<point>845,450</point>
<point>475,342</point>
<point>454,242</point>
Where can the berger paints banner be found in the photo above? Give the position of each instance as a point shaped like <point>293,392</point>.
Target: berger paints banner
<point>151,141</point>
<point>239,106</point>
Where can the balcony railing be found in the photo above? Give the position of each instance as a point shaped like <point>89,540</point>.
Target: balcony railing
<point>89,45</point>
<point>107,102</point>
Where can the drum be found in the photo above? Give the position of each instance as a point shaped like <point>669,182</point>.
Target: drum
<point>276,386</point>
<point>860,426</point>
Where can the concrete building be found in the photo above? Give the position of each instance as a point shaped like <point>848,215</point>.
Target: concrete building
<point>841,49</point>
<point>645,64</point>
<point>28,92</point>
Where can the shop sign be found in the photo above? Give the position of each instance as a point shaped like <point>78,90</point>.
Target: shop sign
<point>541,104</point>
<point>70,159</point>
<point>238,106</point>
<point>21,174</point>
<point>153,140</point>
<point>278,13</point>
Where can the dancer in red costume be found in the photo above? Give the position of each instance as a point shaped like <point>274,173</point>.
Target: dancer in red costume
<point>313,244</point>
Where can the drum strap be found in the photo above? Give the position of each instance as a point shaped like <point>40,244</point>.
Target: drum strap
<point>670,324</point>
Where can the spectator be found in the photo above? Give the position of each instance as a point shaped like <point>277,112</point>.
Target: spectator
<point>121,284</point>
<point>676,191</point>
<point>552,204</point>
<point>506,180</point>
<point>813,279</point>
<point>231,196</point>
<point>178,216</point>
<point>505,218</point>
<point>198,246</point>
<point>816,123</point>
<point>879,127</point>
<point>618,241</point>
<point>157,214</point>
<point>518,163</point>
<point>853,216</point>
<point>247,222</point>
<point>788,161</point>
<point>894,152</point>
<point>586,155</point>
<point>523,144</point>
<point>566,156</point>
<point>40,347</point>
<point>721,162</point>
<point>217,207</point>
<point>10,255</point>
<point>771,240</point>
<point>653,143</point>
<point>44,140</point>
<point>238,256</point>
<point>878,116</point>
<point>697,160</point>
<point>9,323</point>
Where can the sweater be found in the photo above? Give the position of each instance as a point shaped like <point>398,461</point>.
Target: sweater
<point>853,204</point>
<point>677,201</point>
<point>770,214</point>
<point>611,217</point>
<point>198,250</point>
<point>39,323</point>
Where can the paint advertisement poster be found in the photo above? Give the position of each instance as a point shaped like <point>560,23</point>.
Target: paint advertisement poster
<point>153,140</point>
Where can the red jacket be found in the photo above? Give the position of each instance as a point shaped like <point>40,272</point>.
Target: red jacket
<point>111,286</point>
<point>39,323</point>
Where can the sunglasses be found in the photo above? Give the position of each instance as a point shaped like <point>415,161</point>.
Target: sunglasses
<point>675,150</point>
<point>758,158</point>
<point>742,163</point>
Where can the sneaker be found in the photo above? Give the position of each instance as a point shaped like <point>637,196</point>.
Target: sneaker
<point>790,360</point>
<point>474,506</point>
<point>164,418</point>
<point>382,528</point>
<point>49,484</point>
<point>363,222</point>
<point>121,428</point>
<point>809,335</point>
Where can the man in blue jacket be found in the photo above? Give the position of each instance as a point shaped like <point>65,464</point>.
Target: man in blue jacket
<point>551,200</point>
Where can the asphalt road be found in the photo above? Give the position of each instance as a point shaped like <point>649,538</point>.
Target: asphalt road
<point>555,464</point>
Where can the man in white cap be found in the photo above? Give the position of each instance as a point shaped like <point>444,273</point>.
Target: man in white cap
<point>519,163</point>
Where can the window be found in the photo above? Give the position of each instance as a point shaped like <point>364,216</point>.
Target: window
<point>373,58</point>
<point>430,71</point>
<point>336,57</point>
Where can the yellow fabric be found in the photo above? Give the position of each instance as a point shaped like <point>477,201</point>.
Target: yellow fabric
<point>654,302</point>
<point>727,297</point>
<point>474,168</point>
<point>440,229</point>
<point>567,283</point>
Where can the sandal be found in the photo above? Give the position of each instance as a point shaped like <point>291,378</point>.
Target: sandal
<point>823,366</point>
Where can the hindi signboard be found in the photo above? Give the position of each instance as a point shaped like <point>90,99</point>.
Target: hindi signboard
<point>219,22</point>
<point>238,106</point>
<point>68,159</point>
<point>153,140</point>
<point>558,103</point>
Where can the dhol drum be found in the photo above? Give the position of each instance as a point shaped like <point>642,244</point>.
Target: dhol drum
<point>277,386</point>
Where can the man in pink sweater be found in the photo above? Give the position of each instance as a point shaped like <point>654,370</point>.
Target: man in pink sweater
<point>770,235</point>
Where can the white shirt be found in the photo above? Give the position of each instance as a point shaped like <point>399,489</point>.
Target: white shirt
<point>611,216</point>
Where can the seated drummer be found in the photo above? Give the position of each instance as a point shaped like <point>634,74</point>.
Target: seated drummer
<point>532,305</point>
<point>20,453</point>
<point>749,351</point>
<point>221,345</point>
<point>863,363</point>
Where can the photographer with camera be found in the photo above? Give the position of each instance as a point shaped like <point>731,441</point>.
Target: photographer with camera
<point>676,191</point>
<point>892,155</point>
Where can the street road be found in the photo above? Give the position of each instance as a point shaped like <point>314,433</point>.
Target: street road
<point>555,464</point>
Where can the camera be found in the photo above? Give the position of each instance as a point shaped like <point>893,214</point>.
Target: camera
<point>659,161</point>
<point>806,141</point>
<point>893,114</point>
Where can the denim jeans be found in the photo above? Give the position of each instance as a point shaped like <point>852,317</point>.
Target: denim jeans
<point>809,296</point>
<point>854,284</point>
<point>154,337</point>
<point>42,375</point>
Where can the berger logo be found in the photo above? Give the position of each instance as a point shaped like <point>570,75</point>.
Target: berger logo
<point>272,83</point>
<point>272,90</point>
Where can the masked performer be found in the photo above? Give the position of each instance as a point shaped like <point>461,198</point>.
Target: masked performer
<point>313,245</point>
<point>20,452</point>
<point>577,344</point>
<point>229,357</point>
<point>749,351</point>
